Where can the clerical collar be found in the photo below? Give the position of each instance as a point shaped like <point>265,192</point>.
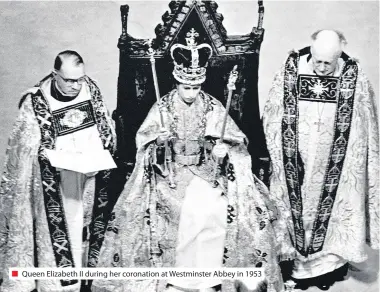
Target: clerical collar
<point>56,94</point>
<point>328,75</point>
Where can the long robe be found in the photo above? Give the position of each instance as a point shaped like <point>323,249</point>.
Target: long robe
<point>35,230</point>
<point>323,140</point>
<point>149,215</point>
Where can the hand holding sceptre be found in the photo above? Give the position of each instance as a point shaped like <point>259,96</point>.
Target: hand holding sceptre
<point>231,87</point>
<point>168,160</point>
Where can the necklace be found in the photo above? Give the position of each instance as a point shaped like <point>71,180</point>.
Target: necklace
<point>320,113</point>
<point>202,122</point>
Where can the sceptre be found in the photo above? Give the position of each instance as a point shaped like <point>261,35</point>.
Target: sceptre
<point>168,160</point>
<point>231,87</point>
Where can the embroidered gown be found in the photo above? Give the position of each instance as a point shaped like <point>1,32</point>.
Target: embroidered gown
<point>194,224</point>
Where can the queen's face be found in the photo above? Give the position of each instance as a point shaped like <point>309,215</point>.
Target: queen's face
<point>188,93</point>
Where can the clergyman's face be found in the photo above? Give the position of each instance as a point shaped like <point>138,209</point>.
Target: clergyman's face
<point>324,64</point>
<point>188,93</point>
<point>70,78</point>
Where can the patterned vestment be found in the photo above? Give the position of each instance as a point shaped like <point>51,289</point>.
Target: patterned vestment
<point>325,173</point>
<point>33,227</point>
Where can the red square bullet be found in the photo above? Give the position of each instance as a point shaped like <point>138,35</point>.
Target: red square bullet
<point>14,273</point>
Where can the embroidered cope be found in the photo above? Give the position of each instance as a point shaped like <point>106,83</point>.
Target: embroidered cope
<point>323,140</point>
<point>42,209</point>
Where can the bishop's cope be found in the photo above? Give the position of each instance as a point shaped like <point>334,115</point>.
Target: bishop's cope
<point>53,200</point>
<point>179,210</point>
<point>321,128</point>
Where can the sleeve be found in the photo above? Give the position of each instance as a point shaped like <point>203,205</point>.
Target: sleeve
<point>272,121</point>
<point>373,170</point>
<point>110,123</point>
<point>151,126</point>
<point>232,135</point>
<point>16,211</point>
<point>94,88</point>
<point>112,126</point>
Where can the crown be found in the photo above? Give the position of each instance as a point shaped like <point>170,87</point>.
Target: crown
<point>190,61</point>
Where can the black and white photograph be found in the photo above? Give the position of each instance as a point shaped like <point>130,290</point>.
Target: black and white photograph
<point>189,146</point>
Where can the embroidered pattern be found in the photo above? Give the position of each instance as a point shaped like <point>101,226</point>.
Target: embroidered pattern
<point>225,257</point>
<point>168,102</point>
<point>230,214</point>
<point>112,224</point>
<point>318,88</point>
<point>50,177</point>
<point>338,150</point>
<point>337,154</point>
<point>50,181</point>
<point>257,258</point>
<point>73,118</point>
<point>101,212</point>
<point>230,172</point>
<point>290,149</point>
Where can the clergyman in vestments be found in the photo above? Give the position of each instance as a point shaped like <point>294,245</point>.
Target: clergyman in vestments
<point>321,128</point>
<point>54,216</point>
<point>188,220</point>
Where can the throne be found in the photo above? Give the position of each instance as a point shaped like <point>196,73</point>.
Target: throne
<point>136,92</point>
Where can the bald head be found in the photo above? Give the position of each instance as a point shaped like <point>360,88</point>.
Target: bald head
<point>326,48</point>
<point>71,58</point>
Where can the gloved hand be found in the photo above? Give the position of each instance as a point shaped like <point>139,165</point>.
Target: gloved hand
<point>219,152</point>
<point>162,136</point>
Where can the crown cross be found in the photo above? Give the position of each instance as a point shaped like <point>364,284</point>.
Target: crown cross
<point>190,37</point>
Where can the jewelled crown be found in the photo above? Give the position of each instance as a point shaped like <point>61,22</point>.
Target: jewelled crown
<point>190,61</point>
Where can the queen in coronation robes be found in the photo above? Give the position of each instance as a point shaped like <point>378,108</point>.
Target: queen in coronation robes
<point>179,212</point>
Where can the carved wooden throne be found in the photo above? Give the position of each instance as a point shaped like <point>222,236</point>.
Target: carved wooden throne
<point>135,84</point>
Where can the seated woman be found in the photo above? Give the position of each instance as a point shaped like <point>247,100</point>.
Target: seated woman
<point>175,210</point>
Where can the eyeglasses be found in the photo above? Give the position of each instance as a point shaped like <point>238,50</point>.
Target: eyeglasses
<point>69,81</point>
